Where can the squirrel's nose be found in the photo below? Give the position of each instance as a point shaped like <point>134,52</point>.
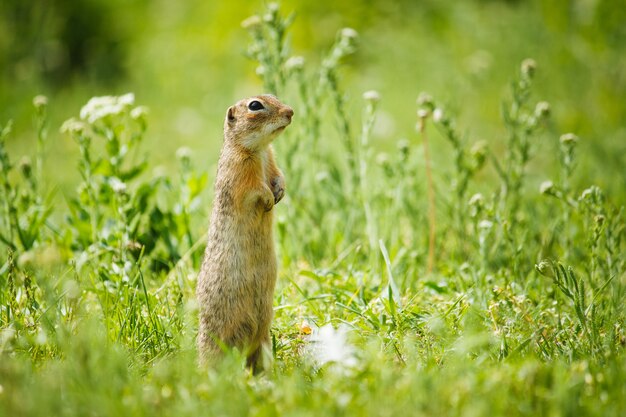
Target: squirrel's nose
<point>288,112</point>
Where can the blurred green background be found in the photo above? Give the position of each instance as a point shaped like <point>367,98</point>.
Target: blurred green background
<point>186,61</point>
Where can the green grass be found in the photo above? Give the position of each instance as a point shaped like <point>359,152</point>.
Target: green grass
<point>515,307</point>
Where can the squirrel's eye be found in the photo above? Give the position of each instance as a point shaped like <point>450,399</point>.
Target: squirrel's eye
<point>255,105</point>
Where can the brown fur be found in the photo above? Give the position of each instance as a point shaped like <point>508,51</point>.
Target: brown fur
<point>236,282</point>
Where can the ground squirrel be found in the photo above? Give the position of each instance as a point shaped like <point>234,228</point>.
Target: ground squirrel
<point>236,282</point>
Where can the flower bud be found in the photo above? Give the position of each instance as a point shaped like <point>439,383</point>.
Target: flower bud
<point>252,22</point>
<point>40,101</point>
<point>545,268</point>
<point>424,99</point>
<point>26,167</point>
<point>371,96</point>
<point>349,33</point>
<point>568,139</point>
<point>542,109</point>
<point>528,67</point>
<point>294,63</point>
<point>547,187</point>
<point>437,115</point>
<point>476,200</point>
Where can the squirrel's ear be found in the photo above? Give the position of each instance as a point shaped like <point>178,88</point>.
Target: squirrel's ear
<point>231,114</point>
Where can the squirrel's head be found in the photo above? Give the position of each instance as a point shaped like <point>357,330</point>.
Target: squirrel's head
<point>254,122</point>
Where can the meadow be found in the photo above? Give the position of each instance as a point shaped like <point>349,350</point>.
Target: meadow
<point>460,252</point>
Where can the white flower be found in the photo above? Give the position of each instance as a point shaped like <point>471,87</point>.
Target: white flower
<point>100,107</point>
<point>349,33</point>
<point>294,63</point>
<point>529,66</point>
<point>139,112</point>
<point>40,101</point>
<point>437,115</point>
<point>485,224</point>
<point>587,194</point>
<point>476,199</point>
<point>478,149</point>
<point>568,138</point>
<point>424,99</point>
<point>73,126</point>
<point>422,113</point>
<point>542,109</point>
<point>371,95</point>
<point>328,344</point>
<point>117,185</point>
<point>252,22</point>
<point>546,187</point>
<point>183,153</point>
<point>127,99</point>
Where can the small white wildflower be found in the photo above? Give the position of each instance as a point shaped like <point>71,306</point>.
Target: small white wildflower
<point>40,101</point>
<point>403,145</point>
<point>251,22</point>
<point>184,153</point>
<point>117,185</point>
<point>371,95</point>
<point>545,268</point>
<point>568,139</point>
<point>542,109</point>
<point>73,125</point>
<point>485,224</point>
<point>424,99</point>
<point>330,345</point>
<point>546,187</point>
<point>98,108</point>
<point>294,63</point>
<point>587,194</point>
<point>528,67</point>
<point>476,199</point>
<point>437,115</point>
<point>422,113</point>
<point>260,70</point>
<point>478,149</point>
<point>126,100</point>
<point>349,33</point>
<point>139,112</point>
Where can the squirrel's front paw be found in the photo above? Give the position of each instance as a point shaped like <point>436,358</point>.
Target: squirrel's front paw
<point>267,200</point>
<point>278,188</point>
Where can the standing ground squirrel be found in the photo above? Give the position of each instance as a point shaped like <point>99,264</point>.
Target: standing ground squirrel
<point>236,282</point>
